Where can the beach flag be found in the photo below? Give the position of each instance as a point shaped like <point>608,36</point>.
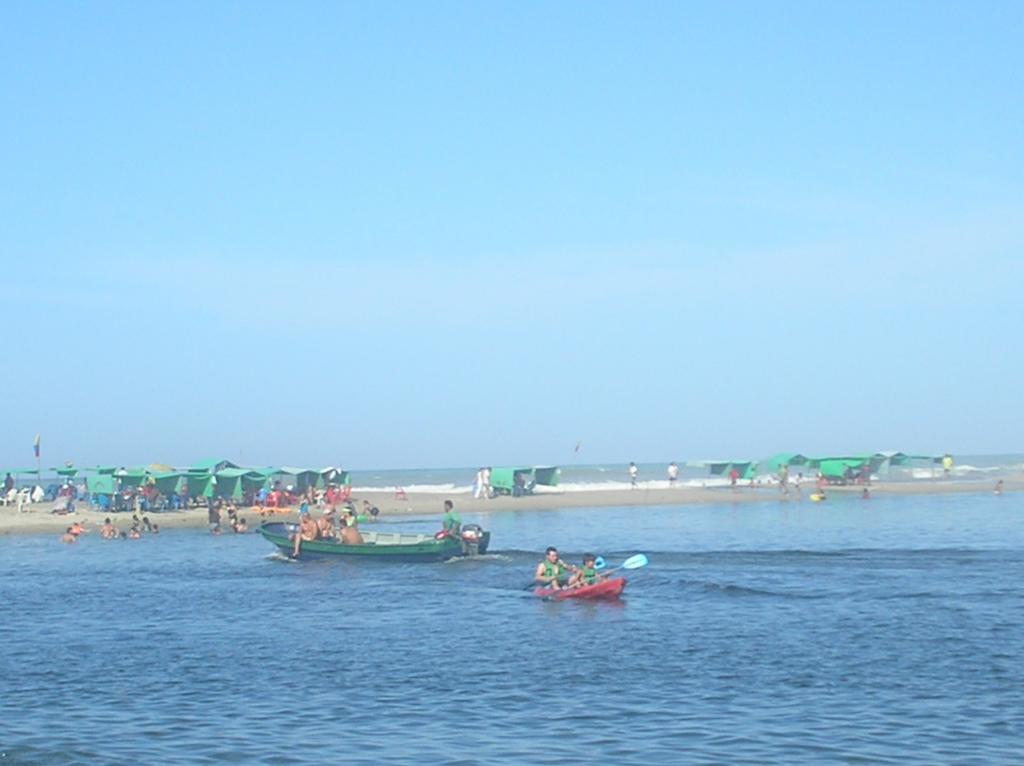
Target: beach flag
<point>35,445</point>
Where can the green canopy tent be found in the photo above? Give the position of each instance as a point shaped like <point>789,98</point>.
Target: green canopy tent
<point>775,463</point>
<point>69,472</point>
<point>132,477</point>
<point>547,475</point>
<point>231,482</point>
<point>211,466</point>
<point>169,483</point>
<point>504,479</point>
<point>302,478</point>
<point>332,475</point>
<point>745,468</point>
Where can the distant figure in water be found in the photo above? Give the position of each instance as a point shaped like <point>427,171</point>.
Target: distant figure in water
<point>134,533</point>
<point>633,473</point>
<point>673,474</point>
<point>866,494</point>
<point>947,465</point>
<point>999,487</point>
<point>68,538</point>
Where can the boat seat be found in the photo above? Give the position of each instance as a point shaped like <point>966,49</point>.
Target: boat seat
<point>394,538</point>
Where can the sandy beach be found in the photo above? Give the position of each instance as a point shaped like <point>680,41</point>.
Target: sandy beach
<point>39,519</point>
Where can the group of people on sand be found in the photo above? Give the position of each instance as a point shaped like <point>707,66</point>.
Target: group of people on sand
<point>552,571</point>
<point>330,527</point>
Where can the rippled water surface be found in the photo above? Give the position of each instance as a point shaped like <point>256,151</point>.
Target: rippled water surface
<point>888,631</point>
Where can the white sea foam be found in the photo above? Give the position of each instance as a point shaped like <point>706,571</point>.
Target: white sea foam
<point>426,489</point>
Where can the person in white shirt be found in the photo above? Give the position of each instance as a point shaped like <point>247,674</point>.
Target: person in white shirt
<point>633,472</point>
<point>673,474</point>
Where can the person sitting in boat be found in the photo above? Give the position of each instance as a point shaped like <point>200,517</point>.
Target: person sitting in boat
<point>350,534</point>
<point>587,574</point>
<point>451,522</point>
<point>550,569</point>
<point>325,525</point>
<point>306,533</point>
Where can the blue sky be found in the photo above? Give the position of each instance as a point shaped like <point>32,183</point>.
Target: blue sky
<point>412,234</point>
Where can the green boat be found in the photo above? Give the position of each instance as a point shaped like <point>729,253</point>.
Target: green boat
<point>383,546</point>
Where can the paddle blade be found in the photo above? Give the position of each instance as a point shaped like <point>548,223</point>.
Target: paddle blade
<point>634,562</point>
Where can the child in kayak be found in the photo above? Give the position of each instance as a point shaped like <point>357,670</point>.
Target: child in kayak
<point>587,574</point>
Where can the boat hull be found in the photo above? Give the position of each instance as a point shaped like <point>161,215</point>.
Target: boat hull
<point>391,547</point>
<point>607,589</point>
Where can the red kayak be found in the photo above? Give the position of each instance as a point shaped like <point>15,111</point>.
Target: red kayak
<point>607,589</point>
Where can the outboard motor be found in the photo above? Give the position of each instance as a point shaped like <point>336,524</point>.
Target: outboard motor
<point>472,538</point>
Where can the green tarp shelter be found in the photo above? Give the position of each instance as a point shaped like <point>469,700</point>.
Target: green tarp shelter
<point>303,477</point>
<point>131,477</point>
<point>211,466</point>
<point>547,475</point>
<point>745,468</point>
<point>232,482</point>
<point>504,479</point>
<point>168,483</point>
<point>331,475</point>
<point>775,462</point>
<point>101,484</point>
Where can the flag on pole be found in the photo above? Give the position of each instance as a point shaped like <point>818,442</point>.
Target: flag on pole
<point>35,445</point>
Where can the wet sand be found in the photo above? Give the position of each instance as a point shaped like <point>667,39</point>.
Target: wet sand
<point>39,519</point>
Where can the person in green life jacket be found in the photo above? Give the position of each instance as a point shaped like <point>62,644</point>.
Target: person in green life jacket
<point>550,569</point>
<point>587,574</point>
<point>451,522</point>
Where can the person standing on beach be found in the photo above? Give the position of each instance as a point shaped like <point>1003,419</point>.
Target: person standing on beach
<point>947,465</point>
<point>784,479</point>
<point>478,483</point>
<point>673,474</point>
<point>8,483</point>
<point>633,473</point>
<point>734,476</point>
<point>487,482</point>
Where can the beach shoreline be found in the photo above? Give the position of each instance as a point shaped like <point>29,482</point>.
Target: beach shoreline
<point>39,520</point>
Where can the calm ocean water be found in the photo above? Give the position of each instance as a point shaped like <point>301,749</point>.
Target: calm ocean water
<point>886,631</point>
